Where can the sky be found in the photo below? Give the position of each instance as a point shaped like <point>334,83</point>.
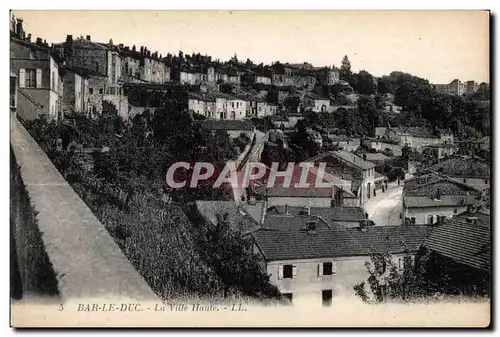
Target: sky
<point>437,45</point>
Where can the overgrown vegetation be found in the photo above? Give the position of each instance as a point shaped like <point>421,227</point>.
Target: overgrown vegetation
<point>125,188</point>
<point>412,278</point>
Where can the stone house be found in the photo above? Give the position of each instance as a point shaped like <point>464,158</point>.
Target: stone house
<point>352,168</point>
<point>432,198</point>
<point>38,68</point>
<point>316,262</point>
<point>468,170</point>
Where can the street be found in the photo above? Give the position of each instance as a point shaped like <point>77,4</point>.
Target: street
<point>385,208</point>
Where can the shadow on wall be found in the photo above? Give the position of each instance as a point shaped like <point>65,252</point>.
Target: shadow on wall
<point>31,272</point>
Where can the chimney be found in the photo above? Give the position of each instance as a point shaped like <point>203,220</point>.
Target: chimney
<point>311,226</point>
<point>28,38</point>
<point>38,41</point>
<point>69,38</point>
<point>438,194</point>
<point>286,209</point>
<point>19,28</point>
<point>363,226</point>
<point>88,38</point>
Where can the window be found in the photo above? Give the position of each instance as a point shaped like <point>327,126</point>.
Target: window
<point>288,296</point>
<point>101,91</point>
<point>328,268</point>
<point>486,181</point>
<point>327,296</point>
<point>30,79</point>
<point>465,180</point>
<point>32,54</point>
<point>455,211</point>
<point>287,271</point>
<point>91,91</point>
<point>413,220</point>
<point>96,66</point>
<point>430,219</point>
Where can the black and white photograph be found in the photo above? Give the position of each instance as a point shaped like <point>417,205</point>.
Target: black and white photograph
<point>229,168</point>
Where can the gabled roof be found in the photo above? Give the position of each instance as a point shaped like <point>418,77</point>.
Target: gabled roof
<point>338,242</point>
<point>347,157</point>
<point>329,214</point>
<point>427,185</point>
<point>465,243</point>
<point>314,190</point>
<point>376,156</point>
<point>459,166</point>
<point>288,222</point>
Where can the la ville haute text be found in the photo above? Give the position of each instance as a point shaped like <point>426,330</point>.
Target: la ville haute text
<point>197,307</point>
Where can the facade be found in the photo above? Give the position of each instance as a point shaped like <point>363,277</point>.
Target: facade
<point>350,167</point>
<point>104,64</point>
<point>432,198</point>
<point>471,87</point>
<point>202,105</point>
<point>76,91</point>
<point>37,67</point>
<point>330,270</point>
<point>313,194</point>
<point>468,170</point>
<point>444,150</point>
<point>14,92</point>
<point>415,137</point>
<point>316,103</point>
<point>455,87</point>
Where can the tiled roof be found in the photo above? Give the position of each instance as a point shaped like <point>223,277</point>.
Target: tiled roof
<point>465,243</point>
<point>376,157</point>
<point>282,222</point>
<point>339,213</point>
<point>344,157</point>
<point>462,167</point>
<point>338,242</point>
<point>428,185</point>
<point>238,219</point>
<point>279,188</point>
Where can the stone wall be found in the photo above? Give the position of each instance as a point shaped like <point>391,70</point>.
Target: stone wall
<point>85,260</point>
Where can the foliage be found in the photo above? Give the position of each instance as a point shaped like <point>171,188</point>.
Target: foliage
<point>125,188</point>
<point>345,70</point>
<point>228,252</point>
<point>365,83</point>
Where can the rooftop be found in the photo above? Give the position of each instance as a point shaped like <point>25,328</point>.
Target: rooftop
<point>459,166</point>
<point>339,213</point>
<point>288,222</point>
<point>428,185</point>
<point>465,243</point>
<point>347,157</point>
<point>338,242</point>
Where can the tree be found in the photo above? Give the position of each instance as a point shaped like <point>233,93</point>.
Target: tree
<point>365,83</point>
<point>231,256</point>
<point>386,279</point>
<point>345,70</point>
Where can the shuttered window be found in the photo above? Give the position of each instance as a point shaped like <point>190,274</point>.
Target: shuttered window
<point>30,77</point>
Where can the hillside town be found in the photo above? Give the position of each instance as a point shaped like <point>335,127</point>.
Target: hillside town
<point>408,163</point>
